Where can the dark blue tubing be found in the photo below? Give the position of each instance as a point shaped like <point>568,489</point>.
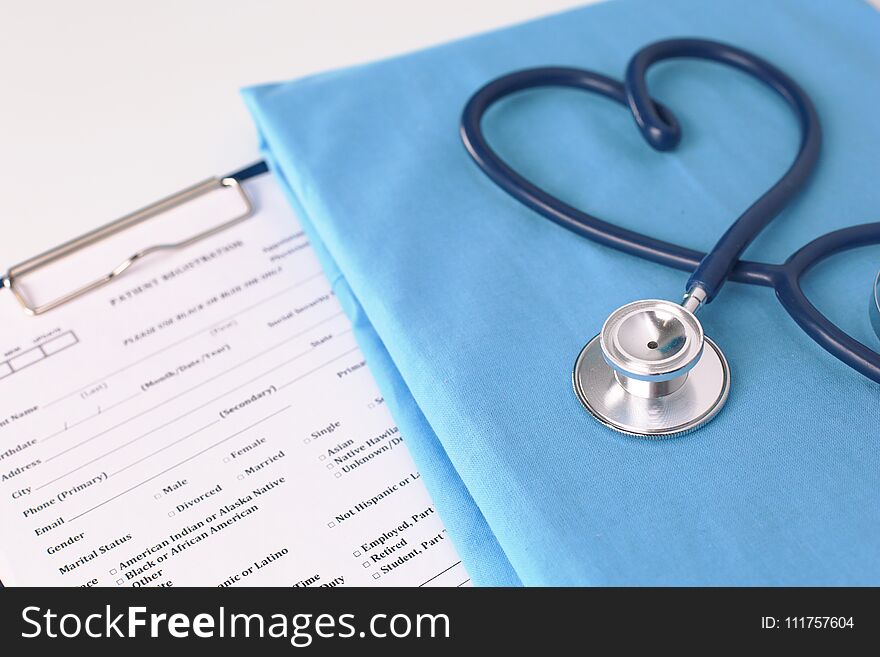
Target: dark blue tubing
<point>661,130</point>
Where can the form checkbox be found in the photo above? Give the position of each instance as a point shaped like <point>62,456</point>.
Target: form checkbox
<point>171,514</point>
<point>357,553</point>
<point>337,475</point>
<point>329,466</point>
<point>321,457</point>
<point>226,459</point>
<point>331,524</point>
<point>26,358</point>
<point>376,575</point>
<point>157,495</point>
<point>56,344</point>
<point>240,477</point>
<point>307,441</point>
<point>366,564</point>
<point>120,582</point>
<point>112,571</point>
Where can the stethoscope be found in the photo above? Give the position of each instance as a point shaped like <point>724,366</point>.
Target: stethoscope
<point>651,371</point>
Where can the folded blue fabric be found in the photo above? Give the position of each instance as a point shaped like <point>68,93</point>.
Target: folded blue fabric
<point>471,309</point>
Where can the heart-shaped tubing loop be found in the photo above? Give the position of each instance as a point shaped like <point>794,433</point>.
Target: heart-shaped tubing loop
<point>788,289</point>
<point>663,134</point>
<point>567,216</point>
<point>661,129</point>
<point>537,199</point>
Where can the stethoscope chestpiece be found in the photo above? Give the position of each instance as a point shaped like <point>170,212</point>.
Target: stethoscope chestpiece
<point>651,372</point>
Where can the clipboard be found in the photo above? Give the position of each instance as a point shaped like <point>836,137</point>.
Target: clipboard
<point>15,278</point>
<point>175,384</point>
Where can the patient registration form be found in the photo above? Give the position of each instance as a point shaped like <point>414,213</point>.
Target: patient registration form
<point>205,419</point>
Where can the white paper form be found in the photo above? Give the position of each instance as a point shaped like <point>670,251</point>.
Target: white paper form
<point>205,419</point>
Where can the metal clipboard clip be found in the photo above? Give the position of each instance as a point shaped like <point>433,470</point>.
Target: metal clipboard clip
<point>19,271</point>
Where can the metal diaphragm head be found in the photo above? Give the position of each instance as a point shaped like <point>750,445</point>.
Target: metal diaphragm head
<point>651,372</point>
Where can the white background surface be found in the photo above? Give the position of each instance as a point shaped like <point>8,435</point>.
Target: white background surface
<point>108,105</point>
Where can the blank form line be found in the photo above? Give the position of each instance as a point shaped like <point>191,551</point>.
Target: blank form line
<point>207,403</point>
<point>178,464</point>
<point>188,337</point>
<point>115,449</point>
<point>170,445</point>
<point>319,367</point>
<point>201,383</point>
<point>440,573</point>
<point>122,401</point>
<point>68,427</point>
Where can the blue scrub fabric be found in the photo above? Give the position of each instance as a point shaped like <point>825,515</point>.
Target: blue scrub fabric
<point>471,309</point>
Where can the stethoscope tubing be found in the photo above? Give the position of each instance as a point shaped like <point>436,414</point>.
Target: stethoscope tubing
<point>787,284</point>
<point>661,129</point>
<point>662,132</point>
